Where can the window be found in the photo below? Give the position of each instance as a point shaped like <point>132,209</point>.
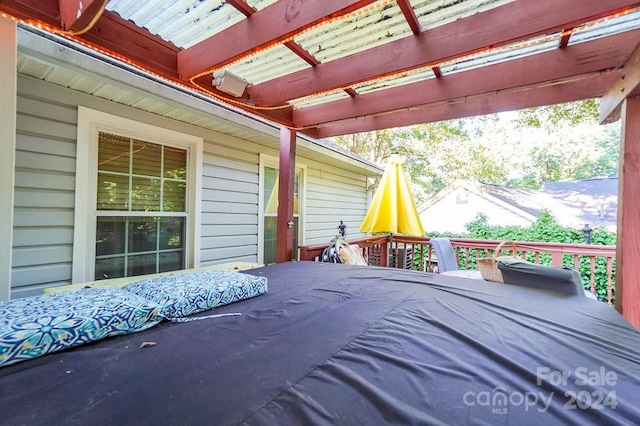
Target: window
<point>269,202</point>
<point>149,179</point>
<point>136,198</point>
<point>462,197</point>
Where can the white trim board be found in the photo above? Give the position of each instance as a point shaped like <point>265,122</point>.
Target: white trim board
<point>8,76</point>
<point>90,122</point>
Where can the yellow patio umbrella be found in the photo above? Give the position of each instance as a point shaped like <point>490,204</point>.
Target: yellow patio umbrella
<point>392,208</point>
<point>272,203</point>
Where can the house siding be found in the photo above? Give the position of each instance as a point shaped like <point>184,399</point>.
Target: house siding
<point>45,188</point>
<point>229,202</point>
<point>44,194</point>
<point>333,195</point>
<point>447,215</point>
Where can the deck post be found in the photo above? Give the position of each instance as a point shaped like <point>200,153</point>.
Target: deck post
<point>8,76</point>
<point>286,174</point>
<point>628,249</point>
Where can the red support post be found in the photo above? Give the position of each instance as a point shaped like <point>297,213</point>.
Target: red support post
<point>628,249</point>
<point>286,173</point>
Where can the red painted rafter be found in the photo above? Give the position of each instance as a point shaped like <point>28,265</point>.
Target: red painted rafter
<point>349,91</point>
<point>583,58</point>
<point>242,7</point>
<point>484,104</point>
<point>519,20</point>
<point>271,25</point>
<point>564,40</point>
<point>46,11</point>
<point>78,16</point>
<point>298,50</point>
<point>117,35</point>
<point>111,33</point>
<point>123,38</point>
<point>437,72</point>
<point>409,15</point>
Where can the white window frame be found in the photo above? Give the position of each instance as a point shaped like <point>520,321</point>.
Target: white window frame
<point>90,123</point>
<point>273,162</point>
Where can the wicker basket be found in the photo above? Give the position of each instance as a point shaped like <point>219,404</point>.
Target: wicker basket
<point>488,266</point>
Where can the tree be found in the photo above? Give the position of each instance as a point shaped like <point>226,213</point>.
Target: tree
<point>552,116</point>
<point>521,149</point>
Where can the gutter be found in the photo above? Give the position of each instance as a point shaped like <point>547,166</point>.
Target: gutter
<point>43,45</point>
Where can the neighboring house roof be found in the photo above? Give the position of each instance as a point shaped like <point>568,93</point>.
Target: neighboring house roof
<point>481,192</point>
<point>572,204</point>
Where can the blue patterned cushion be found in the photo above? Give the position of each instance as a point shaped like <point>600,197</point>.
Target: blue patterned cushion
<point>35,326</point>
<point>185,294</point>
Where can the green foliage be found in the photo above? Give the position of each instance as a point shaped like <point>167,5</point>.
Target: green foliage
<point>552,116</point>
<point>605,158</point>
<point>522,149</point>
<point>544,229</point>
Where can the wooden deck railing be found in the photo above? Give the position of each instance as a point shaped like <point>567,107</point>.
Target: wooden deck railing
<point>596,263</point>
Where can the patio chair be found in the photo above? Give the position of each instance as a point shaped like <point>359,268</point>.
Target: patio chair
<point>561,279</point>
<point>447,262</point>
<point>445,254</point>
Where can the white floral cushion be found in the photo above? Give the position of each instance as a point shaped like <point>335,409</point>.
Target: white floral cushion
<point>180,295</point>
<point>34,326</point>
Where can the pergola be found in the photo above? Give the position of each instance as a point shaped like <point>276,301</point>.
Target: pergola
<point>335,67</point>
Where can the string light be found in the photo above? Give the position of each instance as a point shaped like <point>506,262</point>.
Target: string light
<point>367,9</point>
<point>70,36</point>
<point>359,12</point>
<point>522,45</point>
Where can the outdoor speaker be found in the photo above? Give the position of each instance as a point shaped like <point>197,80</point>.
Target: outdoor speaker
<point>225,81</point>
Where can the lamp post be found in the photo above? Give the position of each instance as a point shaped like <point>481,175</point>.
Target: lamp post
<point>587,231</point>
<point>342,229</point>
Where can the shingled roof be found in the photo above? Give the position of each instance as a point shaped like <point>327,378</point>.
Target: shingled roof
<point>592,201</point>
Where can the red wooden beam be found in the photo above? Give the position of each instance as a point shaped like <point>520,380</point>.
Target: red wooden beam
<point>437,72</point>
<point>592,87</point>
<point>78,16</point>
<point>136,44</point>
<point>111,33</point>
<point>409,15</point>
<point>564,40</point>
<point>303,54</point>
<point>628,250</point>
<point>286,177</point>
<point>583,58</point>
<point>46,11</point>
<point>349,91</point>
<point>242,7</point>
<point>271,25</point>
<point>628,85</point>
<point>519,20</point>
<point>123,39</point>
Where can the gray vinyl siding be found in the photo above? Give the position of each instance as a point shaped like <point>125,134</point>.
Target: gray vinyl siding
<point>45,188</point>
<point>44,195</point>
<point>333,195</point>
<point>229,202</point>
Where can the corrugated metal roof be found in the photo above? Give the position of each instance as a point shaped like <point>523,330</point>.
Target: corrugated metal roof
<point>432,14</point>
<point>532,46</point>
<point>187,22</point>
<point>182,22</point>
<point>264,57</point>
